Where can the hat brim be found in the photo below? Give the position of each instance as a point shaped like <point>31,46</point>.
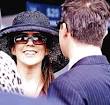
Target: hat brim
<point>28,27</point>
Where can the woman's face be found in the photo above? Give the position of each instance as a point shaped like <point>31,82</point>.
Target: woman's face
<point>29,48</point>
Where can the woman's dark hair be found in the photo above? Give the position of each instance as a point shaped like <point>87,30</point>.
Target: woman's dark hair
<point>47,73</point>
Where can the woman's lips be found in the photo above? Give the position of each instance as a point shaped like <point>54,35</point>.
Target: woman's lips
<point>30,52</point>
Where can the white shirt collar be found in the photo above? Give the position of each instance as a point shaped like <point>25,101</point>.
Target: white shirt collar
<point>82,55</point>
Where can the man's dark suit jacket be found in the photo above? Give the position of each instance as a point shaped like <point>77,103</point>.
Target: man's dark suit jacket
<point>86,83</point>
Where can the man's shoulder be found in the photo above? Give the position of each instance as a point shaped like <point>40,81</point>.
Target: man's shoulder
<point>81,75</point>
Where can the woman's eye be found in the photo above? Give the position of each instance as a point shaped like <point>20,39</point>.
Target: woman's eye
<point>35,38</point>
<point>19,38</point>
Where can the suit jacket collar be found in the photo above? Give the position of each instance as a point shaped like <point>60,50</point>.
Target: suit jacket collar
<point>89,60</point>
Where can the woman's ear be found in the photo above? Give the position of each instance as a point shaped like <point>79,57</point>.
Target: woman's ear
<point>13,51</point>
<point>46,51</point>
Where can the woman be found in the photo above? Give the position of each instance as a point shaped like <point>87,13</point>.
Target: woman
<point>33,45</point>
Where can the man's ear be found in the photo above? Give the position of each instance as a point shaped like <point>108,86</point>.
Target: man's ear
<point>65,30</point>
<point>64,26</point>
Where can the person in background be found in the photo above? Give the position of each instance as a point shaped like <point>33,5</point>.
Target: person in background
<point>83,26</point>
<point>10,81</point>
<point>105,46</point>
<point>33,44</point>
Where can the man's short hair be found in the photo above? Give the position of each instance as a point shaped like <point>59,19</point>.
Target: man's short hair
<point>86,20</point>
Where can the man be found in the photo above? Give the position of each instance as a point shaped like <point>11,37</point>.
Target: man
<point>83,27</point>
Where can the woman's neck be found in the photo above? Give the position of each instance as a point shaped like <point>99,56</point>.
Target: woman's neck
<point>29,72</point>
<point>32,79</point>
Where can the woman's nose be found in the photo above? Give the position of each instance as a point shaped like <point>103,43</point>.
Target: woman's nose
<point>30,42</point>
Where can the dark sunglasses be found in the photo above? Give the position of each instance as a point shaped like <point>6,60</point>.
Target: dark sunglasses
<point>37,38</point>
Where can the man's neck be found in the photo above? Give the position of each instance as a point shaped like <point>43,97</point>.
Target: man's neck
<point>78,53</point>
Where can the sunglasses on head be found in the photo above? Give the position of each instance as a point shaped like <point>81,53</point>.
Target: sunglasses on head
<point>36,38</point>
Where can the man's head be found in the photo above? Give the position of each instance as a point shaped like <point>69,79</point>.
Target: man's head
<point>86,20</point>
